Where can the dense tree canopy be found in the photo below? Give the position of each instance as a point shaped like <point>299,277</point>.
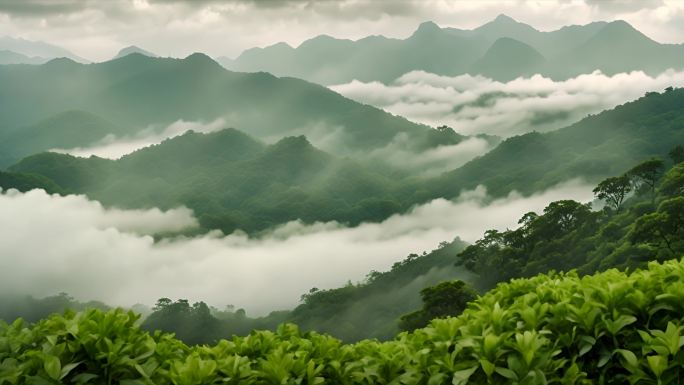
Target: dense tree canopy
<point>447,299</point>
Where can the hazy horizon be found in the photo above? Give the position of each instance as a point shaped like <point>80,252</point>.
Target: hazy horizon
<point>226,28</point>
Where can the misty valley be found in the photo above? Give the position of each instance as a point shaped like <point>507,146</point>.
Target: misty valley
<point>341,192</point>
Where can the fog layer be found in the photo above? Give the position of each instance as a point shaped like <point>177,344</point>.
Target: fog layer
<point>96,253</point>
<point>113,147</point>
<point>475,104</point>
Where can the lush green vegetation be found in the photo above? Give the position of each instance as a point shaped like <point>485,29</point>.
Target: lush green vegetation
<point>33,309</point>
<point>610,328</point>
<point>26,182</point>
<point>231,181</point>
<point>594,148</point>
<point>628,232</point>
<point>201,324</point>
<point>371,309</point>
<point>448,298</point>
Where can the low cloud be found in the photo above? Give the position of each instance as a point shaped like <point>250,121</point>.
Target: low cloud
<point>475,104</point>
<point>432,161</point>
<point>113,147</point>
<point>51,244</point>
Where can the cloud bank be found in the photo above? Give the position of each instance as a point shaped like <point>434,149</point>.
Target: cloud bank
<point>432,161</point>
<point>51,244</point>
<point>113,147</point>
<point>475,104</point>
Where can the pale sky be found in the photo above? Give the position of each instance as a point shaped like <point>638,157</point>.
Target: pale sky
<point>97,29</point>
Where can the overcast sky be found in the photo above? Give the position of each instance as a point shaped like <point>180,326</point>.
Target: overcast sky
<point>97,29</point>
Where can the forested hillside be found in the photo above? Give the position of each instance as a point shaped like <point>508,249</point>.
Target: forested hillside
<point>137,94</point>
<point>233,181</point>
<point>596,147</point>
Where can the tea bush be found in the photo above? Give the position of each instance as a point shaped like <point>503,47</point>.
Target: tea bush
<point>609,328</point>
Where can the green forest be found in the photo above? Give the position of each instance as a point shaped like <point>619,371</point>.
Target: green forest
<point>341,192</point>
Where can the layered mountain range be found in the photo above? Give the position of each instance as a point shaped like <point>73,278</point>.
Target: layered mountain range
<point>502,49</point>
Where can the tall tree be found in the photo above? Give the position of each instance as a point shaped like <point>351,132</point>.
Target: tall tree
<point>677,154</point>
<point>446,299</point>
<point>614,190</point>
<point>647,174</point>
<point>673,182</point>
<point>662,228</point>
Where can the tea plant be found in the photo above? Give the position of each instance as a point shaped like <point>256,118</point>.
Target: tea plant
<point>608,328</point>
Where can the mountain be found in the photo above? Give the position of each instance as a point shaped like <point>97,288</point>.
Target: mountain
<point>569,51</point>
<point>10,57</point>
<point>36,49</point>
<point>618,47</point>
<point>65,130</point>
<point>327,60</point>
<point>133,49</point>
<point>230,180</point>
<point>26,182</point>
<point>508,59</point>
<point>596,147</point>
<point>137,93</point>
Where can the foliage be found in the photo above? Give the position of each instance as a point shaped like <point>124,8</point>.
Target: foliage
<point>677,154</point>
<point>371,309</point>
<point>647,174</point>
<point>665,227</point>
<point>610,328</point>
<point>446,299</point>
<point>673,181</point>
<point>34,309</point>
<point>200,324</point>
<point>569,235</point>
<point>614,190</point>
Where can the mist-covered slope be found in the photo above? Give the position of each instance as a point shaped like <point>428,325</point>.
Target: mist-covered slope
<point>231,181</point>
<point>11,57</point>
<point>508,59</point>
<point>593,148</point>
<point>610,47</point>
<point>137,92</point>
<point>36,49</point>
<point>234,181</point>
<point>68,129</point>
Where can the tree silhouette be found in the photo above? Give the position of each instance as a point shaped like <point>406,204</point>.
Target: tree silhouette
<point>614,190</point>
<point>647,174</point>
<point>677,154</point>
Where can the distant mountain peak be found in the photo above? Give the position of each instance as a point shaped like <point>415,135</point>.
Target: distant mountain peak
<point>505,24</point>
<point>61,61</point>
<point>201,59</point>
<point>294,142</point>
<point>620,26</point>
<point>502,18</point>
<point>282,46</point>
<point>427,28</point>
<point>133,49</point>
<point>622,31</point>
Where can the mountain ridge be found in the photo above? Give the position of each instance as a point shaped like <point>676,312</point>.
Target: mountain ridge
<point>569,51</point>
